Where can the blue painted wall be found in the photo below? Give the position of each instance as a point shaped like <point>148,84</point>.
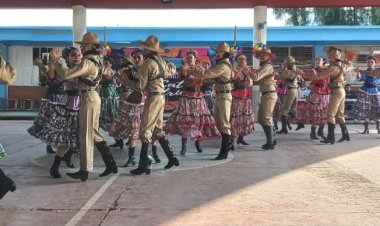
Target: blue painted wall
<point>3,88</point>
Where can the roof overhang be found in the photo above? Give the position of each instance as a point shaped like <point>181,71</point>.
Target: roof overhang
<point>184,4</point>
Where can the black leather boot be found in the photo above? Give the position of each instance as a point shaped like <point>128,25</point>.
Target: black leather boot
<point>271,142</point>
<point>145,162</point>
<point>231,146</point>
<point>320,132</point>
<point>6,184</point>
<point>366,131</point>
<point>378,127</point>
<point>118,143</point>
<point>54,169</point>
<point>81,174</point>
<point>131,157</point>
<point>155,155</point>
<point>240,140</point>
<point>173,161</point>
<point>67,158</point>
<point>198,146</point>
<point>49,150</point>
<point>345,134</point>
<point>184,144</point>
<point>330,134</point>
<point>284,122</point>
<point>300,126</point>
<point>107,158</point>
<point>223,153</point>
<point>313,135</point>
<point>275,125</point>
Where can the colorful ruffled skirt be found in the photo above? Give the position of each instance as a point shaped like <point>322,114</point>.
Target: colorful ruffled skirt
<point>242,117</point>
<point>367,106</point>
<point>127,122</point>
<point>192,119</point>
<point>316,108</point>
<point>57,122</point>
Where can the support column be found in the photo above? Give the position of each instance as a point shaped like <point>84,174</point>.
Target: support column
<point>260,36</point>
<point>79,23</point>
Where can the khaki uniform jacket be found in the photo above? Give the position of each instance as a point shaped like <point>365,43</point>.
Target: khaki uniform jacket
<point>290,77</point>
<point>147,76</point>
<point>222,74</point>
<point>336,73</point>
<point>265,76</point>
<point>151,80</point>
<point>7,73</point>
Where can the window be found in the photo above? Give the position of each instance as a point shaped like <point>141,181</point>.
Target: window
<point>41,52</point>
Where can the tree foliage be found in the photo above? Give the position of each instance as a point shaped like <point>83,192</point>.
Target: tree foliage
<point>329,16</point>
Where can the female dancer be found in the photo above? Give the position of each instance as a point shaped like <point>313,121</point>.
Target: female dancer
<point>303,92</point>
<point>367,106</point>
<point>58,125</point>
<point>242,117</point>
<point>109,97</point>
<point>318,101</point>
<point>191,118</point>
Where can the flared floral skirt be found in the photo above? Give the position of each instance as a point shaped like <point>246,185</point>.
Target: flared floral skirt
<point>192,119</point>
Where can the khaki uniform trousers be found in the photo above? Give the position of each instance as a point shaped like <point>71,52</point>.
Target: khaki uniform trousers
<point>266,107</point>
<point>223,102</point>
<point>335,109</point>
<point>290,103</point>
<point>152,118</point>
<point>89,134</point>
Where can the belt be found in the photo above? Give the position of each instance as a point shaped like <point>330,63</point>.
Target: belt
<point>192,89</point>
<point>336,87</point>
<point>292,87</point>
<point>223,91</point>
<point>87,90</point>
<point>72,92</point>
<point>264,93</point>
<point>156,93</point>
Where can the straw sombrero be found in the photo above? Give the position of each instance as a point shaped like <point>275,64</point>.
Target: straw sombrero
<point>89,38</point>
<point>152,43</point>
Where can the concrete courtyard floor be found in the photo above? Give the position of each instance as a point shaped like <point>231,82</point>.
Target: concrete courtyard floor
<point>299,183</point>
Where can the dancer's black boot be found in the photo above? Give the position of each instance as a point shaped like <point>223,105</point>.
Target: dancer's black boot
<point>54,169</point>
<point>145,162</point>
<point>107,158</point>
<point>330,134</point>
<point>269,133</point>
<point>183,147</point>
<point>284,122</point>
<point>155,155</point>
<point>366,131</point>
<point>313,135</point>
<point>320,132</point>
<point>173,161</point>
<point>49,150</point>
<point>131,157</point>
<point>198,146</point>
<point>67,158</point>
<point>345,134</point>
<point>240,140</point>
<point>223,153</point>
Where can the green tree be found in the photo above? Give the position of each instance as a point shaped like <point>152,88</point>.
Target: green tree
<point>329,16</point>
<point>294,16</point>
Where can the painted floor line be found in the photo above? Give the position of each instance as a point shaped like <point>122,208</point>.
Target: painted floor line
<point>91,202</point>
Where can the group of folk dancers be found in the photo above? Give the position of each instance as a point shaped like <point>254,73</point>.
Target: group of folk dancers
<point>216,101</point>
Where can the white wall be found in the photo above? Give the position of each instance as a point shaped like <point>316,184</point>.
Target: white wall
<point>22,59</point>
